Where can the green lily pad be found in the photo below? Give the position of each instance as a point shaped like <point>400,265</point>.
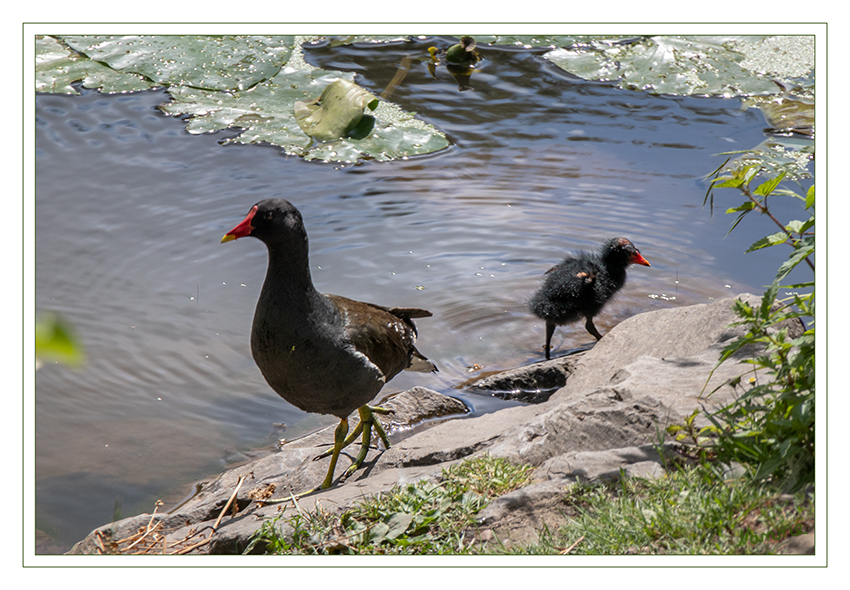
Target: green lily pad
<point>339,40</point>
<point>57,67</point>
<point>705,66</point>
<point>336,113</point>
<point>246,82</point>
<point>211,62</point>
<point>266,113</point>
<point>531,41</point>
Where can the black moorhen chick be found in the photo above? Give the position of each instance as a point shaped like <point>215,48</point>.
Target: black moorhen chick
<point>581,285</point>
<point>323,353</point>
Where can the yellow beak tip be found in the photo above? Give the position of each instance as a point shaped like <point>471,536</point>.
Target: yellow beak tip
<point>228,238</point>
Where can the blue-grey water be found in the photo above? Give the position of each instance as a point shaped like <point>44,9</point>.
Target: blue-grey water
<point>130,209</point>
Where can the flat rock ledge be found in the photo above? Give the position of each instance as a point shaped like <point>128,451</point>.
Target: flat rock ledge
<point>604,420</point>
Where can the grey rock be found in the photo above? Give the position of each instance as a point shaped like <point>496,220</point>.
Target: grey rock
<point>668,335</point>
<point>607,420</point>
<point>532,385</point>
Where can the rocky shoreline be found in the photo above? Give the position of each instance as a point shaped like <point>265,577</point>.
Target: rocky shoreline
<point>596,414</point>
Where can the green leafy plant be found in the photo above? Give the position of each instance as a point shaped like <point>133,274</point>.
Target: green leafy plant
<point>698,439</point>
<point>771,424</point>
<point>56,341</point>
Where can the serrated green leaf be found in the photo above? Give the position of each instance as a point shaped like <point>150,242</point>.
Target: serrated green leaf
<point>805,248</point>
<point>768,298</point>
<point>746,206</point>
<point>771,240</point>
<point>795,226</point>
<point>765,188</point>
<point>728,182</point>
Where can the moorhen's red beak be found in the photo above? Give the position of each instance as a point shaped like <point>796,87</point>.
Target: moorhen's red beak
<point>243,229</point>
<point>638,259</point>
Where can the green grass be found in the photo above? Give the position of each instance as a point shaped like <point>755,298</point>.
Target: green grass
<point>692,511</point>
<point>419,518</point>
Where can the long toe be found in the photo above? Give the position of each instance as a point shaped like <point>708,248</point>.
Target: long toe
<point>379,429</point>
<point>368,420</point>
<point>339,438</point>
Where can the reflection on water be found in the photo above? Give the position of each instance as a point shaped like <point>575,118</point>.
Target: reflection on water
<point>130,210</point>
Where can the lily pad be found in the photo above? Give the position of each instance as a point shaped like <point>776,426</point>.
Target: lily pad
<point>266,115</point>
<point>543,41</point>
<point>211,62</point>
<point>246,82</point>
<point>57,68</point>
<point>705,66</point>
<point>339,40</point>
<point>336,113</point>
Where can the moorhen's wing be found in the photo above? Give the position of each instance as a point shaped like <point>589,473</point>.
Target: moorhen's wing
<point>386,336</point>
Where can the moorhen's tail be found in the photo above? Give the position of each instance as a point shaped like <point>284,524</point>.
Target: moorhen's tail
<point>420,364</point>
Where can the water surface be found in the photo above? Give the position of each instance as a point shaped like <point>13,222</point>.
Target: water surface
<point>130,210</point>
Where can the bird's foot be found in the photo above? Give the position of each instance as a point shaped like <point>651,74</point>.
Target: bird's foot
<point>367,421</point>
<point>379,429</point>
<point>363,429</point>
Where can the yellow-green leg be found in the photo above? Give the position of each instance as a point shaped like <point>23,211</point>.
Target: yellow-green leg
<point>339,439</point>
<point>367,421</point>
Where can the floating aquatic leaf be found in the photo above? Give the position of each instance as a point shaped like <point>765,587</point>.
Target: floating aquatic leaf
<point>246,82</point>
<point>266,114</point>
<point>706,66</point>
<point>211,62</point>
<point>542,41</point>
<point>336,112</point>
<point>785,57</point>
<point>339,40</point>
<point>57,68</point>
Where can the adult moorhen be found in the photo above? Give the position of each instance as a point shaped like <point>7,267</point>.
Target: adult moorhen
<point>323,353</point>
<point>581,285</point>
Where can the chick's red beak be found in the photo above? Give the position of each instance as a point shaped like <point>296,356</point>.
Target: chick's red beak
<point>243,229</point>
<point>638,259</point>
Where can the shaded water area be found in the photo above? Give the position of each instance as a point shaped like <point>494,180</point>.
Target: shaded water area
<point>130,210</point>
